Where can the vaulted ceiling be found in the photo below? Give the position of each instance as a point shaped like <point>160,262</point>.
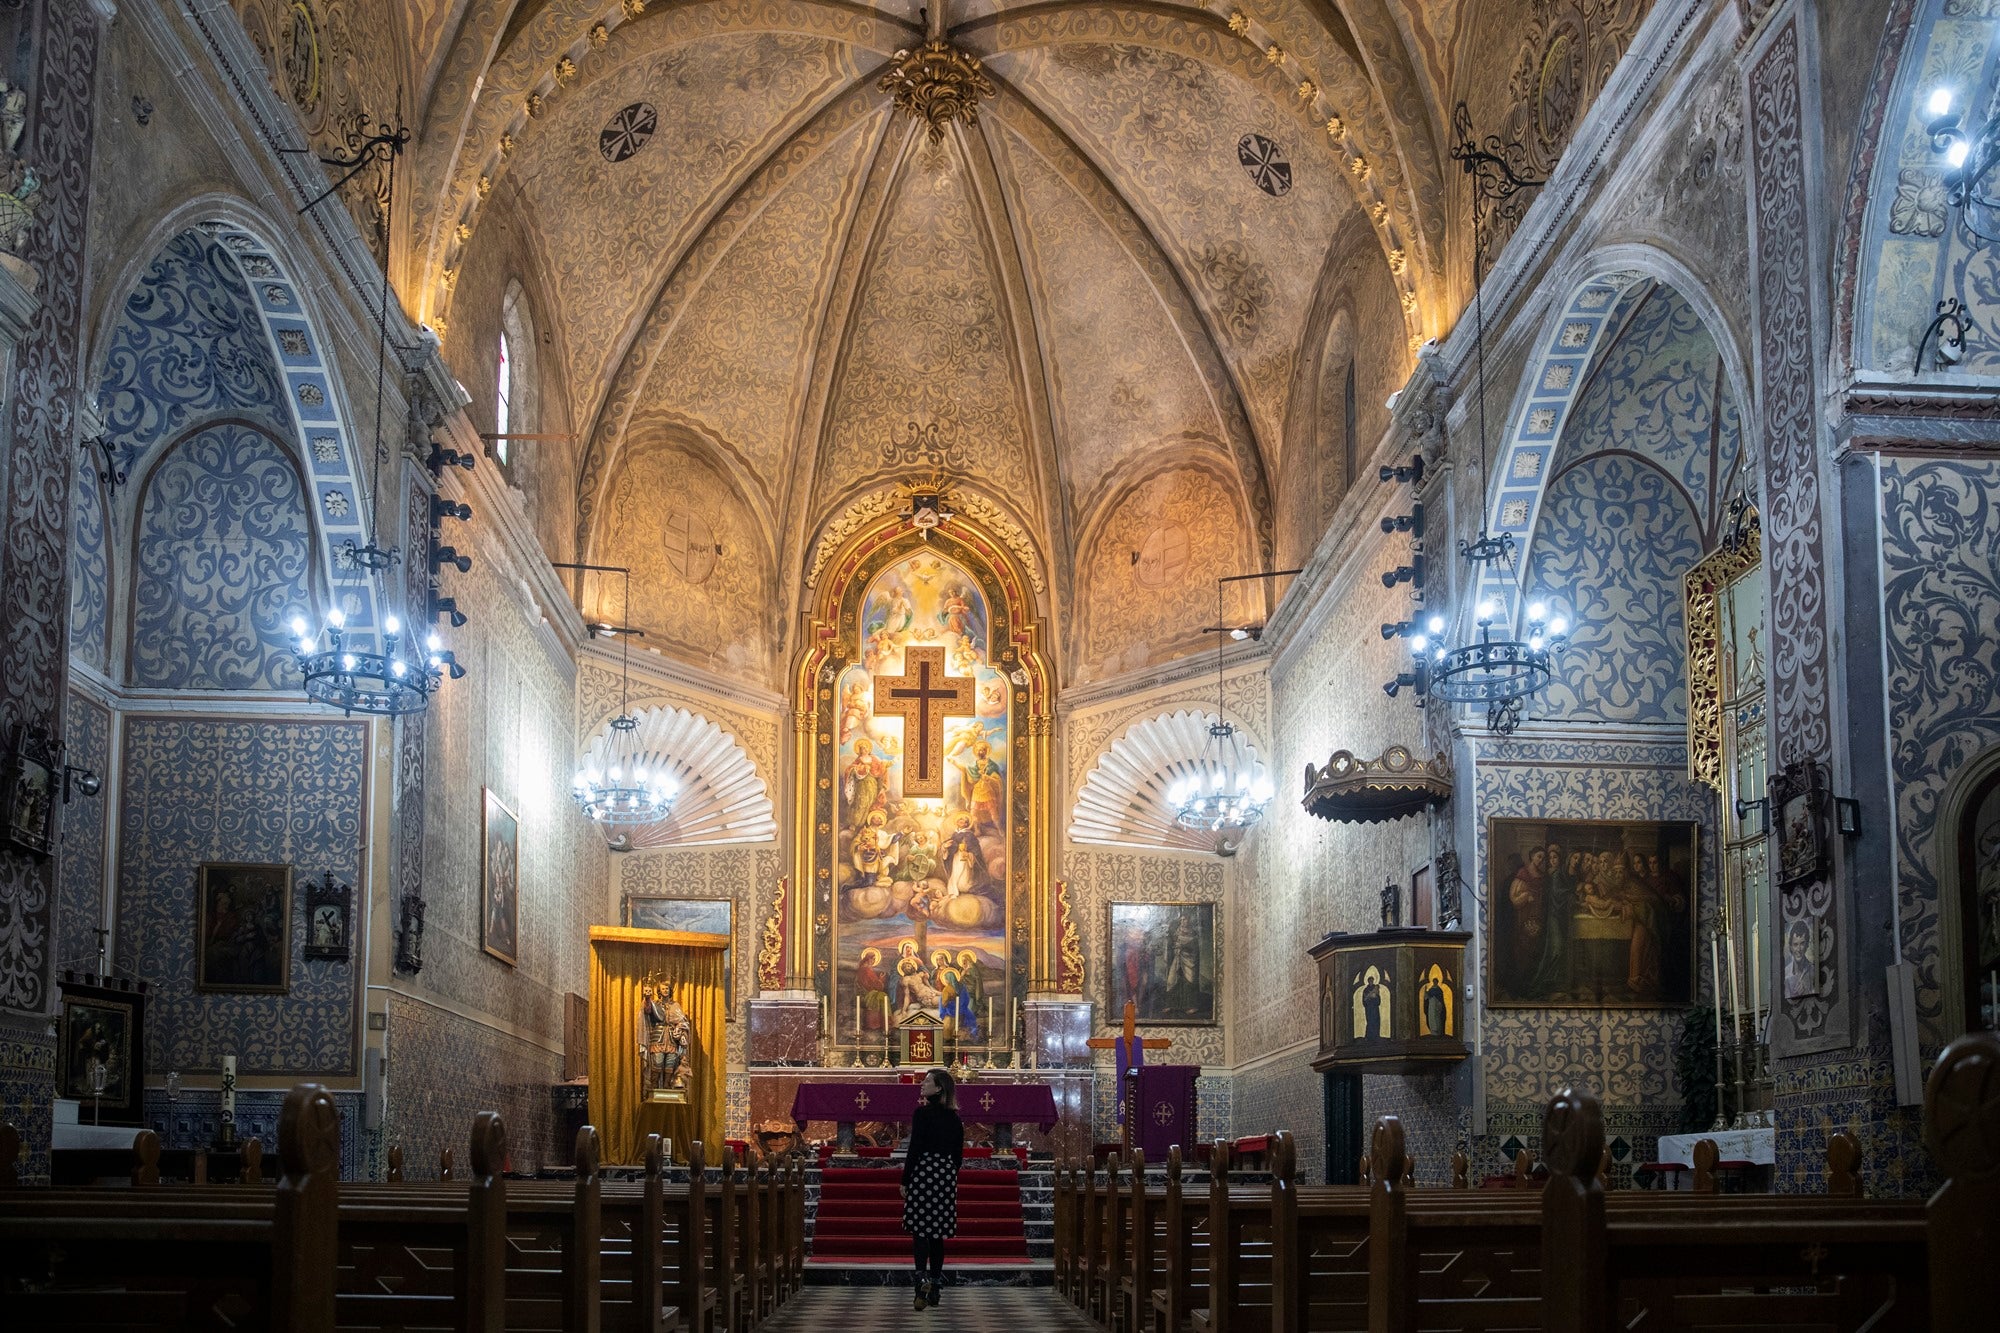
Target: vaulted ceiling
<point>1110,297</point>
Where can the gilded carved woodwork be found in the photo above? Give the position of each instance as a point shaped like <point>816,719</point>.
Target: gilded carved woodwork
<point>1701,591</point>
<point>938,84</point>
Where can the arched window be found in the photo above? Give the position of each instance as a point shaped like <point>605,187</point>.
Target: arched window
<point>514,404</point>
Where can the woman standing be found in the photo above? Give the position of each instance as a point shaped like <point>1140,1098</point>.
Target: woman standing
<point>930,1180</point>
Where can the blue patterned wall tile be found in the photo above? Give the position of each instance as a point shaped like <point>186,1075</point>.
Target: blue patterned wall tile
<point>190,345</point>
<point>1852,1091</point>
<point>193,1120</point>
<point>223,564</point>
<point>1941,607</point>
<point>201,789</point>
<point>27,1092</point>
<point>89,576</point>
<point>443,1069</point>
<point>80,869</point>
<point>1639,488</point>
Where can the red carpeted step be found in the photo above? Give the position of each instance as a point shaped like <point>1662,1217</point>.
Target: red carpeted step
<point>860,1218</point>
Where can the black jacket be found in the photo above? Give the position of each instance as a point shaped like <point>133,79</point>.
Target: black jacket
<point>935,1129</point>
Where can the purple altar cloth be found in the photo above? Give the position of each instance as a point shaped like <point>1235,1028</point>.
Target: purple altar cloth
<point>980,1103</point>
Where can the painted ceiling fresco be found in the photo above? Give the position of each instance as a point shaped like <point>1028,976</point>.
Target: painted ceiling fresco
<point>765,278</point>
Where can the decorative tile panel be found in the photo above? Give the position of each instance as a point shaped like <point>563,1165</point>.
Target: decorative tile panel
<point>444,1069</point>
<point>201,789</point>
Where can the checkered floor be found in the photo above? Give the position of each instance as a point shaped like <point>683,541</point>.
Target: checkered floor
<point>965,1310</point>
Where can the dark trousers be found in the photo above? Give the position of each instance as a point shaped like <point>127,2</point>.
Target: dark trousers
<point>929,1251</point>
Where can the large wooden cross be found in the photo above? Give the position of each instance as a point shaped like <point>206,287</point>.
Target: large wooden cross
<point>1131,1049</point>
<point>924,696</point>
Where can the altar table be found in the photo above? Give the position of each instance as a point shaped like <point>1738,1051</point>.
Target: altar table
<point>1001,1105</point>
<point>1757,1146</point>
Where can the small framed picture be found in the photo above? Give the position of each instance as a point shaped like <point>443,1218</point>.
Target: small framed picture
<point>243,920</point>
<point>329,920</point>
<point>1799,801</point>
<point>500,882</point>
<point>28,792</point>
<point>99,1061</point>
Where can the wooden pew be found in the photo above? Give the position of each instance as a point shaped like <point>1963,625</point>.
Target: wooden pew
<point>1741,1261</point>
<point>732,1312</point>
<point>1184,1253</point>
<point>140,1258</point>
<point>1140,1274</point>
<point>1962,1130</point>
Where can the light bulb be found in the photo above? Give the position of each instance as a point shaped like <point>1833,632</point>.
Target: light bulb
<point>1437,624</point>
<point>1940,101</point>
<point>436,661</point>
<point>1558,626</point>
<point>1419,643</point>
<point>1535,643</point>
<point>638,777</point>
<point>305,647</point>
<point>347,661</point>
<point>1955,155</point>
<point>1215,782</point>
<point>397,668</point>
<point>1439,654</point>
<point>1242,782</point>
<point>1486,609</point>
<point>433,642</point>
<point>1538,610</point>
<point>617,773</point>
<point>579,780</point>
<point>299,626</point>
<point>1263,790</point>
<point>595,777</point>
<point>336,617</point>
<point>1239,634</point>
<point>391,625</point>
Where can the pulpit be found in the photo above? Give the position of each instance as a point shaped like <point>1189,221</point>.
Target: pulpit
<point>1391,1001</point>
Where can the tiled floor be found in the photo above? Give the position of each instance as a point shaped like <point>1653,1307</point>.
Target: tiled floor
<point>965,1310</point>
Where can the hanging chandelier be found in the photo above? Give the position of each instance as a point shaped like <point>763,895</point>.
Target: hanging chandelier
<point>618,783</point>
<point>1229,790</point>
<point>1499,667</point>
<point>343,671</point>
<point>389,673</point>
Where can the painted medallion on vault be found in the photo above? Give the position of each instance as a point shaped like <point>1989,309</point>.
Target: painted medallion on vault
<point>921,810</point>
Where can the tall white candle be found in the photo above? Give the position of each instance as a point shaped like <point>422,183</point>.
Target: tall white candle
<point>1756,970</point>
<point>857,1018</point>
<point>1735,994</point>
<point>229,1086</point>
<point>1715,971</point>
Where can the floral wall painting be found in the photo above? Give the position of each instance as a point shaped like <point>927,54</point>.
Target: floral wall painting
<point>1163,961</point>
<point>703,916</point>
<point>1590,914</point>
<point>500,882</point>
<point>243,927</point>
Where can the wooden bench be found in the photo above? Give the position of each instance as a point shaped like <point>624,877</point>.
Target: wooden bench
<point>140,1258</point>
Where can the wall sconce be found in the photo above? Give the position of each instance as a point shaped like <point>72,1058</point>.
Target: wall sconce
<point>82,780</point>
<point>1847,816</point>
<point>1762,806</point>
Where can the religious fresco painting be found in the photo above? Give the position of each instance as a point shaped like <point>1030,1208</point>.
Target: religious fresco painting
<point>500,882</point>
<point>921,815</point>
<point>701,916</point>
<point>1373,1015</point>
<point>243,917</point>
<point>1591,915</point>
<point>1163,962</point>
<point>1437,1002</point>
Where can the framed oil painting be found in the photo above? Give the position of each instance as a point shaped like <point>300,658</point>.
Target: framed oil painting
<point>500,881</point>
<point>243,927</point>
<point>28,784</point>
<point>1589,914</point>
<point>103,1029</point>
<point>1163,961</point>
<point>708,916</point>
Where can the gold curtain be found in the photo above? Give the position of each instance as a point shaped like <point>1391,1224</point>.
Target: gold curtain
<point>619,961</point>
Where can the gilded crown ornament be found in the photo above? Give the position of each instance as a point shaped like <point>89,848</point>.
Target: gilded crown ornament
<point>937,82</point>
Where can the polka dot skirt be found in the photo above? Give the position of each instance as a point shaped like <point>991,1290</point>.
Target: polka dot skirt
<point>932,1206</point>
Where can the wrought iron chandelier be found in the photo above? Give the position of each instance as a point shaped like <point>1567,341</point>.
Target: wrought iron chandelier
<point>615,784</point>
<point>387,673</point>
<point>1500,667</point>
<point>1229,791</point>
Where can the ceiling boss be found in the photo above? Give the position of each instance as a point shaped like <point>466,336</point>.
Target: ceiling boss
<point>937,82</point>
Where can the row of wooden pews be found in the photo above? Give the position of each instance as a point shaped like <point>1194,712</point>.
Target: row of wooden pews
<point>470,1251</point>
<point>1556,1252</point>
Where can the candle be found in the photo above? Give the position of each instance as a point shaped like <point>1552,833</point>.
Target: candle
<point>1756,971</point>
<point>989,1018</point>
<point>1715,970</point>
<point>229,1085</point>
<point>857,1018</point>
<point>1735,995</point>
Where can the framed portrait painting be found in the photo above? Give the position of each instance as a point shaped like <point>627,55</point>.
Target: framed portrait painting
<point>100,1060</point>
<point>500,881</point>
<point>1590,914</point>
<point>243,927</point>
<point>707,916</point>
<point>28,788</point>
<point>1163,961</point>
